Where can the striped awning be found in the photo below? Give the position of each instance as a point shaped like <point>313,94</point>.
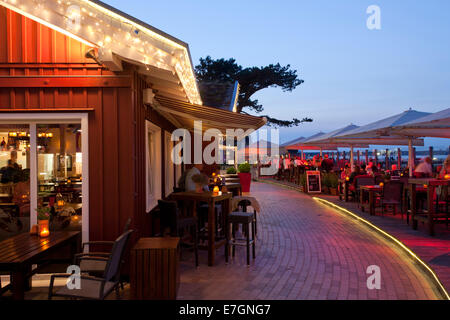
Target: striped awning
<point>183,115</point>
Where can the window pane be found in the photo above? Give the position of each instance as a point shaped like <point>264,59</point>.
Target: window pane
<point>60,174</point>
<point>14,180</point>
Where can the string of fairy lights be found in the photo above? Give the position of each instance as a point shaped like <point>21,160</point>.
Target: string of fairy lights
<point>105,29</point>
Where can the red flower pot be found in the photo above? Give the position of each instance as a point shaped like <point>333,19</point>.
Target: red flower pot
<point>246,180</point>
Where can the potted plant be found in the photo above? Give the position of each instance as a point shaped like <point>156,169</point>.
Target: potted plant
<point>231,170</point>
<point>43,217</point>
<point>303,182</point>
<point>334,183</point>
<point>245,176</point>
<point>325,183</point>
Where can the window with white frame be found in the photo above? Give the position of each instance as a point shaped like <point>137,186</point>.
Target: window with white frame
<point>169,164</point>
<point>153,165</point>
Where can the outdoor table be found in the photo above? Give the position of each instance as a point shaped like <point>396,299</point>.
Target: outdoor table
<point>430,217</point>
<point>211,199</point>
<point>345,184</point>
<point>235,188</point>
<point>19,253</point>
<point>372,190</point>
<point>406,198</point>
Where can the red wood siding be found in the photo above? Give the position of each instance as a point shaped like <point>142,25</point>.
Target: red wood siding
<point>143,113</point>
<point>30,50</point>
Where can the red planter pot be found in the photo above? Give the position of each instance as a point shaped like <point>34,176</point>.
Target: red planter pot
<point>246,180</point>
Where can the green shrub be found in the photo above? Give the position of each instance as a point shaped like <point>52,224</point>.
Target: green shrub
<point>326,180</point>
<point>244,168</point>
<point>334,180</point>
<point>303,180</point>
<point>231,170</point>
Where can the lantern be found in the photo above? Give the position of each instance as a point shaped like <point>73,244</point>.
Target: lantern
<point>60,201</point>
<point>446,177</point>
<point>214,174</point>
<point>381,184</point>
<point>44,233</point>
<point>216,190</point>
<point>347,179</point>
<point>44,229</point>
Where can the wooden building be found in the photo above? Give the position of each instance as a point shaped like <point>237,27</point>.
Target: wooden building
<point>89,97</point>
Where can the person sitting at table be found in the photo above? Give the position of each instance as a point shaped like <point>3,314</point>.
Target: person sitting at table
<point>355,173</point>
<point>327,164</point>
<point>190,185</point>
<point>424,169</point>
<point>372,169</point>
<point>445,168</point>
<point>363,169</point>
<point>12,172</point>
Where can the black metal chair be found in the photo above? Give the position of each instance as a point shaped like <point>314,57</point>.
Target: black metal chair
<point>175,225</point>
<point>93,266</point>
<point>96,288</point>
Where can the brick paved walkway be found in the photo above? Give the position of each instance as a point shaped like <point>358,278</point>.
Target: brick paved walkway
<point>306,251</point>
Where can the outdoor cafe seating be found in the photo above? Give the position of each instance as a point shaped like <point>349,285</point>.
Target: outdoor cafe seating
<point>423,199</point>
<point>96,288</point>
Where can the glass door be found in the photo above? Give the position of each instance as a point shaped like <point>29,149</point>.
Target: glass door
<point>60,174</point>
<point>14,179</point>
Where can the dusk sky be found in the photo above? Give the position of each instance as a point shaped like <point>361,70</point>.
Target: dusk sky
<point>352,74</point>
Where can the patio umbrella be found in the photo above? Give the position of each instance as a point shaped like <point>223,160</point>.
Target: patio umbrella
<point>381,128</point>
<point>434,125</point>
<point>325,138</point>
<point>380,131</point>
<point>300,144</point>
<point>339,138</point>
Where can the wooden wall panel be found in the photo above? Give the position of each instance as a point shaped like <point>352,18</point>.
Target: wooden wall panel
<point>3,35</point>
<point>30,49</point>
<point>30,42</point>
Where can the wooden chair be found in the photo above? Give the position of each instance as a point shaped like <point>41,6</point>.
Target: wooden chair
<point>360,181</point>
<point>392,196</point>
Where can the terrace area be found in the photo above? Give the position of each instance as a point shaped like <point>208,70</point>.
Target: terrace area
<point>305,250</point>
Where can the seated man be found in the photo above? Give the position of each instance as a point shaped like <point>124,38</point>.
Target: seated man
<point>190,185</point>
<point>424,169</point>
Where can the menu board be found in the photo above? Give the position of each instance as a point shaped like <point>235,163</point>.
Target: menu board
<point>313,182</point>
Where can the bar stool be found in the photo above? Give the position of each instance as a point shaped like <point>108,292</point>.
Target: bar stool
<point>243,205</point>
<point>247,221</point>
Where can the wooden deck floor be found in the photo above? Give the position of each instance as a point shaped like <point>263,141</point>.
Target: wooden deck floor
<point>305,250</point>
